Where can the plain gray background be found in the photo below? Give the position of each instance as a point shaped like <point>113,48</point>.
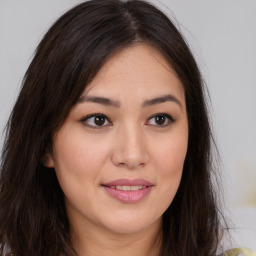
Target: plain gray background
<point>222,36</point>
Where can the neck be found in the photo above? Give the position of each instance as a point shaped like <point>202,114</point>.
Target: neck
<point>96,241</point>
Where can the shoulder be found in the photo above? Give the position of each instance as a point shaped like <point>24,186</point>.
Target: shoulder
<point>239,252</point>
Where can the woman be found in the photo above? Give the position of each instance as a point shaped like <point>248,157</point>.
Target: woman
<point>108,147</point>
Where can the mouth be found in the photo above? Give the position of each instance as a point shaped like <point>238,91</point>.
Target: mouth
<point>128,191</point>
<point>128,188</point>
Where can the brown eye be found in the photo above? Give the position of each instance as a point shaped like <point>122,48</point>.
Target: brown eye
<point>99,120</point>
<point>160,120</point>
<point>96,121</point>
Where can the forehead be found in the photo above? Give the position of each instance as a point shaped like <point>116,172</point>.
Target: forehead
<point>139,69</point>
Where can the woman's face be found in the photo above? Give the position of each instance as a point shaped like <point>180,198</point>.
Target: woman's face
<point>119,155</point>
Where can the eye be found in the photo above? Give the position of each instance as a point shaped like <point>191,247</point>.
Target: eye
<point>160,119</point>
<point>96,121</point>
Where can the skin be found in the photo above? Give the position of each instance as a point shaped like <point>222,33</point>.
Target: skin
<point>130,144</point>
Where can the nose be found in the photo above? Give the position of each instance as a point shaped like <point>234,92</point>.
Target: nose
<point>130,148</point>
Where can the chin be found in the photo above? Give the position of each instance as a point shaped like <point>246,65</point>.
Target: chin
<point>132,225</point>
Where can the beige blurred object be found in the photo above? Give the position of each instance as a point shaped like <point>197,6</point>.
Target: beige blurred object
<point>245,181</point>
<point>239,252</point>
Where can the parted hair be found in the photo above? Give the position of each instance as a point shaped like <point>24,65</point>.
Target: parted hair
<point>33,220</point>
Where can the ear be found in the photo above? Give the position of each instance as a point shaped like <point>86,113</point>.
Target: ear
<point>48,160</point>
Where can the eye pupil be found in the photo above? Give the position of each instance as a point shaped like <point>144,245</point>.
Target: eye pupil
<point>160,120</point>
<point>99,120</point>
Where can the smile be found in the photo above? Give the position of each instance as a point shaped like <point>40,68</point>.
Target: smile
<point>128,191</point>
<point>128,188</point>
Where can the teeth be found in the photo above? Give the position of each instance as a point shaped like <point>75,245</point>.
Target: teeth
<point>135,188</point>
<point>128,188</point>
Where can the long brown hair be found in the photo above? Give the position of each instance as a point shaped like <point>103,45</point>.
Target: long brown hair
<point>32,211</point>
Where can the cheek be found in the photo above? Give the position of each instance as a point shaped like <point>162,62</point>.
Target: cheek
<point>169,161</point>
<point>76,162</point>
<point>76,153</point>
<point>171,152</point>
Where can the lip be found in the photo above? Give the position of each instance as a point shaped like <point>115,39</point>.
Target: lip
<point>127,182</point>
<point>129,196</point>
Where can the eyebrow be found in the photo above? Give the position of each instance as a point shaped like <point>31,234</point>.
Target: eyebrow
<point>162,99</point>
<point>113,103</point>
<point>99,100</point>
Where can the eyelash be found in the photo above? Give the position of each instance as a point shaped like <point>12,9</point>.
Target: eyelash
<point>95,115</point>
<point>167,118</point>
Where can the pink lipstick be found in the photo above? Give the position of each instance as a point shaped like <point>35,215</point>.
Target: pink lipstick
<point>128,191</point>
